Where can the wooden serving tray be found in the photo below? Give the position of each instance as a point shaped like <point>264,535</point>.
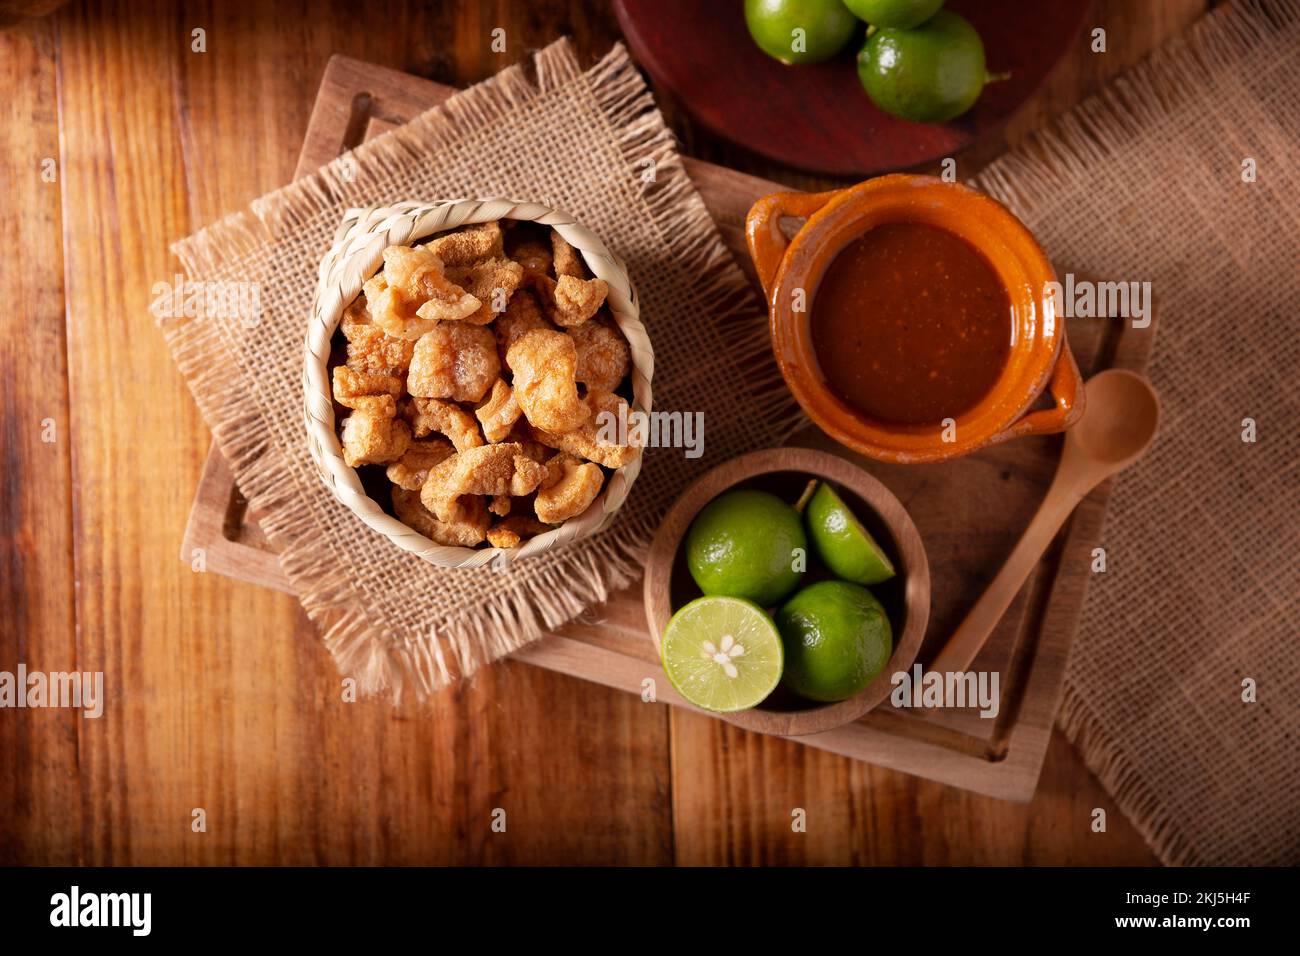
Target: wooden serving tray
<point>970,513</point>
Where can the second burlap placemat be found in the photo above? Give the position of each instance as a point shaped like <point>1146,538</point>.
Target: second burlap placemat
<point>590,143</point>
<point>1184,174</point>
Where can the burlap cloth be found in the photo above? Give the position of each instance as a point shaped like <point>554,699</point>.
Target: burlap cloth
<point>572,140</point>
<point>1145,182</point>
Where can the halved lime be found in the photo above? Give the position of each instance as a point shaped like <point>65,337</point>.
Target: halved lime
<point>722,653</point>
<point>843,544</point>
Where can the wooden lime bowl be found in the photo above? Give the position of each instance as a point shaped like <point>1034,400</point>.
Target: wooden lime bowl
<point>785,472</point>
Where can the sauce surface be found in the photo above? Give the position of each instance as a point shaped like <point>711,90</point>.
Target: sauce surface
<point>911,324</point>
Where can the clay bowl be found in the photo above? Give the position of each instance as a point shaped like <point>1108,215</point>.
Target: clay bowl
<point>1040,358</point>
<point>785,472</point>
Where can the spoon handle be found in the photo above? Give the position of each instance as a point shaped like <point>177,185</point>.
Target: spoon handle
<point>980,621</point>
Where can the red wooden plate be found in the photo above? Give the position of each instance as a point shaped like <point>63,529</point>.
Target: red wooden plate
<point>817,117</point>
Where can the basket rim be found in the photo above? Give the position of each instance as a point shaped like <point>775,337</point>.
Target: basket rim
<point>357,254</point>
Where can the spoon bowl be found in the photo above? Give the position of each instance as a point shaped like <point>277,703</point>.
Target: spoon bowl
<point>1120,420</point>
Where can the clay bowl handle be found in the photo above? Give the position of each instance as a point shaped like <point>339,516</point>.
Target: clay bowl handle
<point>767,243</point>
<point>1068,398</point>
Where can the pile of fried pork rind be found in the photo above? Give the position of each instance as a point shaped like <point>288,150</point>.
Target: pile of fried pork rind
<point>478,366</point>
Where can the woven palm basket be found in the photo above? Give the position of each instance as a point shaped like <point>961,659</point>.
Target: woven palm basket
<point>357,254</point>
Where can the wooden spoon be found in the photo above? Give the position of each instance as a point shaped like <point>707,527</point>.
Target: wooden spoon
<point>1119,421</point>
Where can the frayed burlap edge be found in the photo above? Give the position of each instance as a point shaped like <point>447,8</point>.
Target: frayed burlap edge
<point>1030,178</point>
<point>454,647</point>
<point>1146,811</point>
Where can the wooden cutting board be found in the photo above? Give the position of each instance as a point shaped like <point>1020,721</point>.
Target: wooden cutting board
<point>970,513</point>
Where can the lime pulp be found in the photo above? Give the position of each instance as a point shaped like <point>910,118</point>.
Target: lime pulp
<point>722,653</point>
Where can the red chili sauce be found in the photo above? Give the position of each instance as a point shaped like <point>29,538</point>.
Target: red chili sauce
<point>911,324</point>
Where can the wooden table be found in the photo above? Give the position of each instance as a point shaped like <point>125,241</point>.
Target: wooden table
<point>220,696</point>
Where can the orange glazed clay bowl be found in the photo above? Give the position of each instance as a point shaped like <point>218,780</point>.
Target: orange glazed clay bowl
<point>1039,357</point>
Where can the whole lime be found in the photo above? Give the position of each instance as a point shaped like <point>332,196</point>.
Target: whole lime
<point>800,31</point>
<point>903,14</point>
<point>837,638</point>
<point>746,544</point>
<point>927,75</point>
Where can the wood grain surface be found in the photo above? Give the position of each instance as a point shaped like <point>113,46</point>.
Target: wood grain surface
<point>220,697</point>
